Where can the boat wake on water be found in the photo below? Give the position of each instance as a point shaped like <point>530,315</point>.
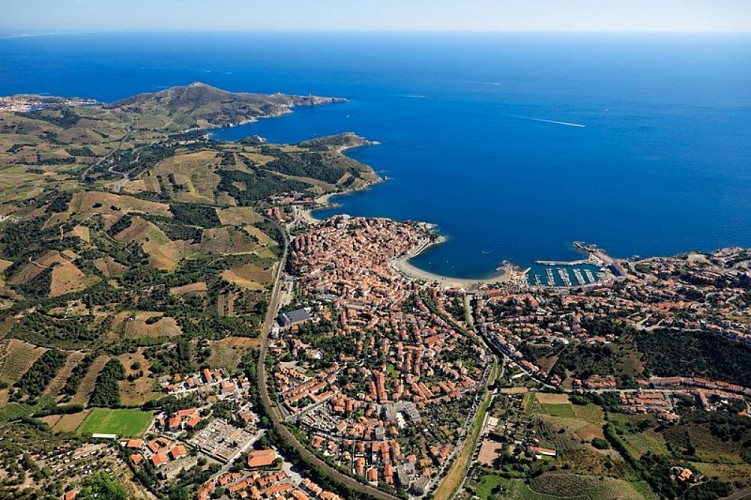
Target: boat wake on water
<point>555,122</point>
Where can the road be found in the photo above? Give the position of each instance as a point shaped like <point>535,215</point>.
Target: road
<point>740,495</point>
<point>273,413</point>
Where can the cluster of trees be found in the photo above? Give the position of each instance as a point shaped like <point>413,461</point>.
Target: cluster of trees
<point>658,470</point>
<point>78,373</point>
<point>30,238</point>
<point>608,400</point>
<point>605,326</point>
<point>250,188</point>
<point>209,326</point>
<point>41,329</point>
<point>584,361</point>
<point>63,117</point>
<point>195,214</point>
<point>670,353</point>
<point>81,151</point>
<point>313,164</point>
<point>59,410</point>
<point>171,360</point>
<point>101,485</point>
<point>44,369</point>
<point>38,286</point>
<point>106,389</point>
<point>731,430</point>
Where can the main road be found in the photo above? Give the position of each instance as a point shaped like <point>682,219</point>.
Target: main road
<point>273,413</point>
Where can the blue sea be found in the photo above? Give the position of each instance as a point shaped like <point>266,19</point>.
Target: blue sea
<point>515,145</point>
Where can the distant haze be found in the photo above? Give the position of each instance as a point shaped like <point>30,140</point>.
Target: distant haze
<point>28,16</point>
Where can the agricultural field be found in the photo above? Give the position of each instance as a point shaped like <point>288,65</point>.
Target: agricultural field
<point>87,383</point>
<point>249,276</point>
<point>10,411</point>
<point>123,422</point>
<point>189,177</point>
<point>16,357</point>
<point>575,485</point>
<point>138,388</point>
<point>143,324</point>
<point>227,353</point>
<point>492,486</point>
<point>71,422</point>
<point>227,240</point>
<point>57,383</point>
<point>238,216</point>
<point>112,207</point>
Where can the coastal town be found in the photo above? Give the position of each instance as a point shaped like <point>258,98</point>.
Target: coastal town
<point>381,375</point>
<point>372,372</point>
<point>346,398</point>
<point>191,330</point>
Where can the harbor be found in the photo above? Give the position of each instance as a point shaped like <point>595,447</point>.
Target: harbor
<point>595,268</point>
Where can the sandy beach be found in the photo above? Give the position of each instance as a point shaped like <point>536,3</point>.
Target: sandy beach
<point>403,265</point>
<point>320,202</point>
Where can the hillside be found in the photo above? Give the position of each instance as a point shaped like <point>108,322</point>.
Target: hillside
<point>124,236</point>
<point>200,105</point>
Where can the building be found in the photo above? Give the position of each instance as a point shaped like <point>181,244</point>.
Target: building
<point>261,458</point>
<point>541,452</point>
<point>295,317</point>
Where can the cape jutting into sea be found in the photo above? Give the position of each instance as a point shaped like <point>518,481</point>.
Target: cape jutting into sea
<point>515,145</point>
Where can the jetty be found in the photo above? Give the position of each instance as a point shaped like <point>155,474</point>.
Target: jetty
<point>563,262</point>
<point>564,276</point>
<point>590,276</point>
<point>549,273</point>
<point>578,276</point>
<point>595,254</point>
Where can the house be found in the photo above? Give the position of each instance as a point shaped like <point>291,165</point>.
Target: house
<point>261,458</point>
<point>541,452</point>
<point>159,459</point>
<point>177,452</point>
<point>134,444</point>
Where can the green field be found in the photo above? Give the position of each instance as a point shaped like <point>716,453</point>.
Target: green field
<point>126,423</point>
<point>591,413</point>
<point>513,488</point>
<point>578,486</point>
<point>13,410</point>
<point>565,411</point>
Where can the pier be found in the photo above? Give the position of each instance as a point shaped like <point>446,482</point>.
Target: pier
<point>563,262</point>
<point>564,277</point>
<point>595,254</point>
<point>579,277</point>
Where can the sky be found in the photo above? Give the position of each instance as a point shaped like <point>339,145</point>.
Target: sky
<point>20,16</point>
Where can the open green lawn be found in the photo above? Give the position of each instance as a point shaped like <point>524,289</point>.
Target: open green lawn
<point>565,411</point>
<point>123,422</point>
<point>646,442</point>
<point>11,411</point>
<point>487,483</point>
<point>591,413</point>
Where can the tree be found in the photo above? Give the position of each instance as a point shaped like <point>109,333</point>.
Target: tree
<point>101,485</point>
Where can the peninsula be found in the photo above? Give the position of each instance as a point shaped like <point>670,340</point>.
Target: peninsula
<point>175,324</point>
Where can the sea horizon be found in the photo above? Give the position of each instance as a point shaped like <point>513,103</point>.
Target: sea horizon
<point>512,145</point>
